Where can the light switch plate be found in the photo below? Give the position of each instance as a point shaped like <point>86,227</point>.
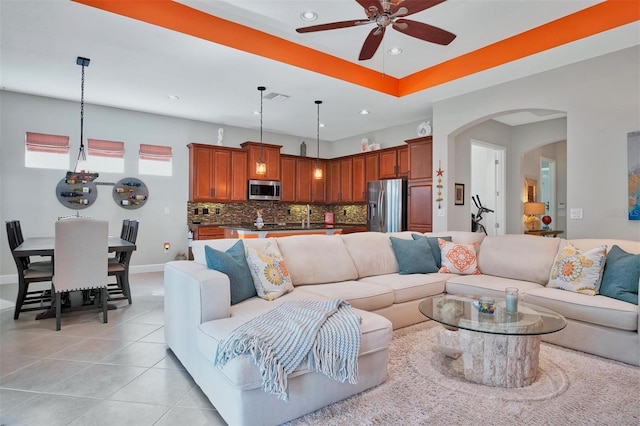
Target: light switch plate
<point>575,213</point>
<point>441,212</point>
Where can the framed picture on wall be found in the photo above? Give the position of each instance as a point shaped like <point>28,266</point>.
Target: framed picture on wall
<point>459,188</point>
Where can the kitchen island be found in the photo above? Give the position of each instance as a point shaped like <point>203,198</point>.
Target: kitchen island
<point>274,230</point>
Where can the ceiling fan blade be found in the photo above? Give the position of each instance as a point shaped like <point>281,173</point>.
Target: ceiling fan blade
<point>333,25</point>
<point>371,44</point>
<point>414,6</point>
<point>366,4</point>
<point>424,31</point>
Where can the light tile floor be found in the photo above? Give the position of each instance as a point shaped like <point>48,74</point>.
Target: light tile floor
<point>91,373</point>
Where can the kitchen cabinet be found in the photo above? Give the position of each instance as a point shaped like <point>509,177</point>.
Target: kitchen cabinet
<point>217,173</point>
<point>419,206</point>
<point>270,155</point>
<point>359,179</point>
<point>420,185</point>
<point>304,177</point>
<point>393,162</point>
<point>371,167</point>
<point>340,180</point>
<point>288,178</point>
<point>420,158</point>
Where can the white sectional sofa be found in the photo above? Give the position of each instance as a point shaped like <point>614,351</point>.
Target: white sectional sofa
<point>362,269</point>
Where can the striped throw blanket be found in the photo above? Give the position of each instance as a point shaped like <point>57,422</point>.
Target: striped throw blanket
<point>327,333</point>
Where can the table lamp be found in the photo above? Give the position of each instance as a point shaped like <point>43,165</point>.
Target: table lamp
<point>531,210</point>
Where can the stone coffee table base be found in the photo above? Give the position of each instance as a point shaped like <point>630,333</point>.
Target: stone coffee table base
<point>509,361</point>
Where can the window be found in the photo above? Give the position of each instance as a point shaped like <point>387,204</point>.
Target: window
<point>155,160</point>
<point>105,156</point>
<point>46,151</point>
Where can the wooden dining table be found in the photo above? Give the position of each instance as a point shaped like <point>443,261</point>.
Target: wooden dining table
<point>45,246</point>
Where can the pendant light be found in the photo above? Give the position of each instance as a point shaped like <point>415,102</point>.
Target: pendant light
<point>317,172</point>
<point>261,166</point>
<point>81,175</point>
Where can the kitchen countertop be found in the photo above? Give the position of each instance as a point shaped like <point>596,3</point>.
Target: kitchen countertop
<point>282,226</point>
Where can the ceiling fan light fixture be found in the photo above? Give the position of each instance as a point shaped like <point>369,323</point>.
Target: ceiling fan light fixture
<point>309,16</point>
<point>173,97</point>
<point>364,112</point>
<point>394,51</point>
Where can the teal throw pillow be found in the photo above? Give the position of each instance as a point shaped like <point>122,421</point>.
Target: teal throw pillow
<point>435,248</point>
<point>233,263</point>
<point>413,256</point>
<point>621,275</point>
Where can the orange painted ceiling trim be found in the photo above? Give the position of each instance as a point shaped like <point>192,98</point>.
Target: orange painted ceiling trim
<point>587,22</point>
<point>178,17</point>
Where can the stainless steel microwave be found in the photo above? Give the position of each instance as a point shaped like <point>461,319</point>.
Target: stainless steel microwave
<point>264,190</point>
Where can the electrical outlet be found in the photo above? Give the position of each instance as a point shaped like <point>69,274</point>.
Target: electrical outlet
<point>344,212</point>
<point>575,213</point>
<point>205,211</point>
<point>217,210</point>
<point>289,212</point>
<point>195,211</point>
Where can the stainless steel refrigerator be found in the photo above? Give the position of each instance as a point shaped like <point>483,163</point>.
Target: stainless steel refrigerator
<point>387,205</point>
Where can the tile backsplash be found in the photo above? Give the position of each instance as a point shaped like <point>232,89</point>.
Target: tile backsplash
<point>272,211</point>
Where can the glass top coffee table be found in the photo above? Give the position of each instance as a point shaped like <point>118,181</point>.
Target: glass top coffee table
<point>497,348</point>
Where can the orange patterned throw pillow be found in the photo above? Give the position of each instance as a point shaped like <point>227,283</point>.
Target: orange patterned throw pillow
<point>458,258</point>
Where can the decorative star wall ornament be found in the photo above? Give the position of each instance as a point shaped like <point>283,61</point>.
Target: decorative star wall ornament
<point>439,173</point>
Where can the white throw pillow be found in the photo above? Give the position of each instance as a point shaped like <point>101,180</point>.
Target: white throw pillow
<point>576,271</point>
<point>458,258</point>
<point>269,272</point>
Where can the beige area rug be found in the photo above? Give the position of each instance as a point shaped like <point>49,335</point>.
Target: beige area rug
<point>426,388</point>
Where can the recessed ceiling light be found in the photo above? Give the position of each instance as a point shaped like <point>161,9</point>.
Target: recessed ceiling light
<point>364,112</point>
<point>322,125</point>
<point>308,15</point>
<point>394,51</point>
<point>173,97</point>
<point>256,112</point>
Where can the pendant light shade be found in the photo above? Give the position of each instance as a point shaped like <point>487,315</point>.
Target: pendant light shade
<point>317,171</point>
<point>261,166</point>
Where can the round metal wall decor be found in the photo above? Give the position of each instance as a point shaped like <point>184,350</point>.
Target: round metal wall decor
<point>130,193</point>
<point>76,195</point>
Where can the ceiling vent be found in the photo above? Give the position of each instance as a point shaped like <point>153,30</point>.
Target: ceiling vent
<point>277,97</point>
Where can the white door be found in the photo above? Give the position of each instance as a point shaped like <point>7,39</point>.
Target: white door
<point>487,181</point>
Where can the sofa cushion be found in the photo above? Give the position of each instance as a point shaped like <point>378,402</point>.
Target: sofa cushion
<point>600,310</point>
<point>578,271</point>
<point>371,253</point>
<point>317,259</point>
<point>413,256</point>
<point>458,258</point>
<point>233,263</point>
<point>244,375</point>
<point>486,285</point>
<point>521,257</point>
<point>621,275</point>
<point>464,237</point>
<point>222,244</point>
<point>360,294</point>
<point>411,287</point>
<point>435,247</point>
<point>269,272</point>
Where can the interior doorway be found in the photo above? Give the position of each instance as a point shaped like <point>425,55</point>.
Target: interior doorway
<point>548,186</point>
<point>487,181</point>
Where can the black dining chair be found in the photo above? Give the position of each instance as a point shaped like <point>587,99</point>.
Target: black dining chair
<point>29,272</point>
<point>119,266</point>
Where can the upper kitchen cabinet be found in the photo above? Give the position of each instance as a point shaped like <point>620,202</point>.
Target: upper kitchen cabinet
<point>288,178</point>
<point>217,173</point>
<point>270,155</point>
<point>340,180</point>
<point>420,158</point>
<point>359,178</point>
<point>394,162</point>
<point>371,167</point>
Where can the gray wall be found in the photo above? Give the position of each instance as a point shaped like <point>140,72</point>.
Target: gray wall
<point>600,97</point>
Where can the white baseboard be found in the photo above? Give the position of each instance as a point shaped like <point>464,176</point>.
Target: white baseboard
<point>133,269</point>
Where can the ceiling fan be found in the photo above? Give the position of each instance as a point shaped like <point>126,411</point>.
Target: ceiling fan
<point>390,12</point>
